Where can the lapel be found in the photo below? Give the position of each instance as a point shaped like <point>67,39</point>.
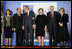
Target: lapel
<point>25,15</point>
<point>53,14</point>
<point>62,16</point>
<point>18,15</point>
<point>50,14</point>
<point>29,13</point>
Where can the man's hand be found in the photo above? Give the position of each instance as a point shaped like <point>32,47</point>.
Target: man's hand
<point>62,24</point>
<point>45,27</point>
<point>59,23</point>
<point>22,27</point>
<point>33,18</point>
<point>14,29</point>
<point>2,30</point>
<point>34,26</point>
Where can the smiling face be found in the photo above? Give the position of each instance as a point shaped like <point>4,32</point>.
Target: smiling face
<point>61,12</point>
<point>8,12</point>
<point>26,9</point>
<point>51,8</point>
<point>19,10</point>
<point>40,11</point>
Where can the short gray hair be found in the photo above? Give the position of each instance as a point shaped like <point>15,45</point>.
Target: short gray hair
<point>26,6</point>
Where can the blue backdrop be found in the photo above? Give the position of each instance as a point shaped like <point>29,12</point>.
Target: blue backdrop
<point>12,5</point>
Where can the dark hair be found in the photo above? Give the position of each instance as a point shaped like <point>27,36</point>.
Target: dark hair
<point>40,9</point>
<point>17,8</point>
<point>9,11</point>
<point>27,6</point>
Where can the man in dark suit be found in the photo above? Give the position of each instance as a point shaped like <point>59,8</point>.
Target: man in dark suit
<point>17,26</point>
<point>28,25</point>
<point>52,18</point>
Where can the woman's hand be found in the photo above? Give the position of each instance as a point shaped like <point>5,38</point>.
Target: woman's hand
<point>34,26</point>
<point>45,27</point>
<point>61,24</point>
<point>33,18</point>
<point>14,29</point>
<point>22,27</point>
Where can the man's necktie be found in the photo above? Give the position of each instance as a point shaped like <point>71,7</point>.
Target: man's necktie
<point>51,14</point>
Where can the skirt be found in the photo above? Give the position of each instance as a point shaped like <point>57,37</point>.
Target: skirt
<point>8,32</point>
<point>62,34</point>
<point>40,31</point>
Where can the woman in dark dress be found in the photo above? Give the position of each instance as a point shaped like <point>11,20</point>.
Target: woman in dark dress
<point>63,30</point>
<point>40,26</point>
<point>7,23</point>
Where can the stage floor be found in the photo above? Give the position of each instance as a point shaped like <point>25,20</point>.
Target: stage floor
<point>32,47</point>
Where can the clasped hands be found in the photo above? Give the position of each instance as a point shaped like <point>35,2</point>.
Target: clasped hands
<point>61,24</point>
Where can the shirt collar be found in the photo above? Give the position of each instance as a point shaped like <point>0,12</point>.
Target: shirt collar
<point>18,14</point>
<point>51,11</point>
<point>28,12</point>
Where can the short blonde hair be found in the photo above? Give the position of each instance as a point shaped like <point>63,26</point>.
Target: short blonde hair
<point>62,10</point>
<point>52,6</point>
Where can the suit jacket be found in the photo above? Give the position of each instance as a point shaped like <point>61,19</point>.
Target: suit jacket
<point>63,31</point>
<point>55,19</point>
<point>5,21</point>
<point>41,20</point>
<point>53,22</point>
<point>64,19</point>
<point>29,20</point>
<point>17,20</point>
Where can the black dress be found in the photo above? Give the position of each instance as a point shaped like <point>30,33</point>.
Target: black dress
<point>40,24</point>
<point>8,26</point>
<point>63,35</point>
